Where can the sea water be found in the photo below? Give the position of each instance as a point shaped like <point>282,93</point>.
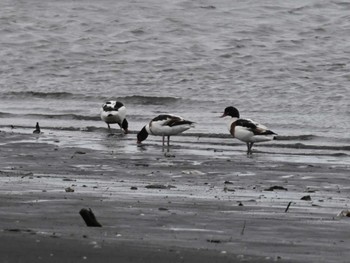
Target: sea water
<point>282,63</point>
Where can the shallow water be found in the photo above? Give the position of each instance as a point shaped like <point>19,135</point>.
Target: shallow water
<point>284,64</point>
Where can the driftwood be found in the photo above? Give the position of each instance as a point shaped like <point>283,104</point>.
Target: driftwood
<point>89,217</point>
<point>287,207</point>
<point>37,128</point>
<point>276,187</point>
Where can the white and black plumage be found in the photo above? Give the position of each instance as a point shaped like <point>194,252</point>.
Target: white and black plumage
<point>164,125</point>
<point>114,112</point>
<point>246,130</point>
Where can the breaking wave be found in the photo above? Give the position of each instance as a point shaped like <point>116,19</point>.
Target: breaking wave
<point>51,116</point>
<point>36,94</point>
<point>149,100</point>
<point>133,99</point>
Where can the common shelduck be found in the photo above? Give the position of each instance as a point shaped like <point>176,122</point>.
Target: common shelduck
<point>114,112</point>
<point>164,125</point>
<point>246,130</point>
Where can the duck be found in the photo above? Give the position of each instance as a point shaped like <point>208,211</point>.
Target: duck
<point>114,112</point>
<point>164,125</point>
<point>246,130</point>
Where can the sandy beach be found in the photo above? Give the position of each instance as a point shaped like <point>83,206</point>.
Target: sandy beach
<point>284,64</point>
<point>199,202</point>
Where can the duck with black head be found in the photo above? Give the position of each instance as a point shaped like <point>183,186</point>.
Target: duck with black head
<point>164,125</point>
<point>246,130</point>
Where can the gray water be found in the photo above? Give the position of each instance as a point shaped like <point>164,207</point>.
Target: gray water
<point>282,63</point>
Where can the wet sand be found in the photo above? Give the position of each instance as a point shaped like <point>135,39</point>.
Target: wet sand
<point>195,203</point>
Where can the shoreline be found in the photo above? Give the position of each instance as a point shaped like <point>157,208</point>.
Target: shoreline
<point>175,207</point>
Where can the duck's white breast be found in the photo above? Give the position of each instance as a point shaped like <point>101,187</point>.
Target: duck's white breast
<point>115,116</point>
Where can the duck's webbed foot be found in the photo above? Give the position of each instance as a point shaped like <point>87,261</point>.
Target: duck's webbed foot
<point>249,148</point>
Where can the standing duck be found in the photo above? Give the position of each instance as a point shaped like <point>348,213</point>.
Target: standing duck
<point>114,112</point>
<point>164,125</point>
<point>246,130</point>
